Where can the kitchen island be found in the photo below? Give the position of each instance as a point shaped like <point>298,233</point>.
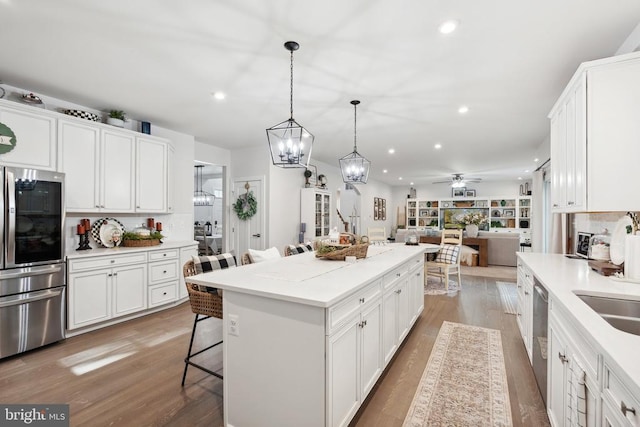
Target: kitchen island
<point>305,339</point>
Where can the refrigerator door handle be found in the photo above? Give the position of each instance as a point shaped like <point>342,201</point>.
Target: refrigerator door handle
<point>33,271</point>
<point>30,297</point>
<point>9,228</point>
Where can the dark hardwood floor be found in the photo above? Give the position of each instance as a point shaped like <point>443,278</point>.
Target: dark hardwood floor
<point>129,374</point>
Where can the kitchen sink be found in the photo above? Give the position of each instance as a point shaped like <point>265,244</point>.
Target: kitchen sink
<point>622,314</point>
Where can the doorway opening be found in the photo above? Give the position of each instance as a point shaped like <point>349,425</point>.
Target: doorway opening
<point>208,212</point>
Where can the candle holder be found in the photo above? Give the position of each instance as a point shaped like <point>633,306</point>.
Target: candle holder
<point>84,242</point>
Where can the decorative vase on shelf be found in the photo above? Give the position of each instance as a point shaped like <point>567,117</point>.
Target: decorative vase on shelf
<point>115,122</point>
<point>472,230</point>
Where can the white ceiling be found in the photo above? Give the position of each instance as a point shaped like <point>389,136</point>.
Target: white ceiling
<point>160,61</point>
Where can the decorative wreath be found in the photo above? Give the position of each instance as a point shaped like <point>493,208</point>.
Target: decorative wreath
<point>246,206</point>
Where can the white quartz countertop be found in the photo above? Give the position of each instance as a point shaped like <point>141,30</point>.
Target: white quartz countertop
<point>309,280</point>
<point>121,250</point>
<point>561,276</point>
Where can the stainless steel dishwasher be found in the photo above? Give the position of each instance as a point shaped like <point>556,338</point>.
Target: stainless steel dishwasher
<point>539,332</point>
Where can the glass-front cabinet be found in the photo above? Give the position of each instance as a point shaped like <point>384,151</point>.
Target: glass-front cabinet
<point>315,212</point>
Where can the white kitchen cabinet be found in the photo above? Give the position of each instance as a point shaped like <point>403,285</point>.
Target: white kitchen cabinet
<point>164,274</point>
<point>594,134</point>
<point>354,356</point>
<point>186,255</point>
<point>623,408</point>
<point>79,159</point>
<point>171,173</point>
<point>151,175</point>
<point>35,132</point>
<point>99,295</point>
<point>399,305</point>
<point>99,167</point>
<point>525,307</point>
<point>565,344</point>
<point>315,211</point>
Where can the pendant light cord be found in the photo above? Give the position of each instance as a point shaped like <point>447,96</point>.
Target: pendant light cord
<point>355,123</point>
<point>291,87</point>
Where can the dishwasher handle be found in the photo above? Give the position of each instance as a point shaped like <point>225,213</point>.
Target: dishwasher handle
<point>542,292</point>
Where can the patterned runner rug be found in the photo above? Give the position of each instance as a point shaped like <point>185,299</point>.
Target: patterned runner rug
<point>464,382</point>
<point>435,286</point>
<point>508,296</point>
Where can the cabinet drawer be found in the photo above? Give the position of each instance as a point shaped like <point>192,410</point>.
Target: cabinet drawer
<point>162,271</point>
<point>106,261</point>
<point>395,274</point>
<point>620,397</point>
<point>160,255</point>
<point>342,311</point>
<point>162,294</point>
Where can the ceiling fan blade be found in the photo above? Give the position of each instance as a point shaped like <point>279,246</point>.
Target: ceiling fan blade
<point>442,182</point>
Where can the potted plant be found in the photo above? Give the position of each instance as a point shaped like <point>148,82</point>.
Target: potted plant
<point>471,221</point>
<point>116,118</point>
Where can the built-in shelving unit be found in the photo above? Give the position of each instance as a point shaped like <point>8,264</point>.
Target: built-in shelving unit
<point>504,214</point>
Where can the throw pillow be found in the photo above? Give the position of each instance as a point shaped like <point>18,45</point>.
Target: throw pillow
<point>300,249</point>
<point>204,264</point>
<point>259,256</point>
<point>448,254</point>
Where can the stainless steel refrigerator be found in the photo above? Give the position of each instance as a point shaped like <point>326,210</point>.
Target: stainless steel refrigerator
<point>32,266</point>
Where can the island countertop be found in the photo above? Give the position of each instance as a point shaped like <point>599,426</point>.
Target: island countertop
<point>561,276</point>
<point>309,280</point>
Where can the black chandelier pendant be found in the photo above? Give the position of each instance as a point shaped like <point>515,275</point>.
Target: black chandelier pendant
<point>354,167</point>
<point>289,142</point>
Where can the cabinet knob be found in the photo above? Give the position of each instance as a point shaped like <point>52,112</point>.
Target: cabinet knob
<point>526,293</point>
<point>571,203</point>
<point>138,207</point>
<point>109,275</point>
<point>164,272</point>
<point>361,300</point>
<point>164,254</point>
<point>555,205</point>
<point>164,293</point>
<point>397,274</point>
<point>624,408</point>
<point>399,291</point>
<point>563,358</point>
<point>113,261</point>
<point>102,206</point>
<point>97,206</point>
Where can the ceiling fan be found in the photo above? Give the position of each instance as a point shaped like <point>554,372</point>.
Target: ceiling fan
<point>457,180</point>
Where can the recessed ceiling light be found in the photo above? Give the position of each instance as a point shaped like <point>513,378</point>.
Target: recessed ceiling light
<point>448,27</point>
<point>463,109</point>
<point>526,171</point>
<point>400,178</point>
<point>520,177</point>
<point>219,95</point>
<point>392,150</point>
<point>384,171</point>
<point>536,160</point>
<point>437,146</point>
<point>411,183</point>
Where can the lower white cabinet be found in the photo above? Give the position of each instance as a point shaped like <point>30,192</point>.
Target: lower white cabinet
<point>364,333</point>
<point>354,362</point>
<point>619,406</point>
<point>98,295</point>
<point>566,347</point>
<point>525,307</point>
<point>103,288</point>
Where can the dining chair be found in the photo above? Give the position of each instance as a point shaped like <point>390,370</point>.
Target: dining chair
<point>200,235</point>
<point>377,235</point>
<point>205,302</point>
<point>447,260</point>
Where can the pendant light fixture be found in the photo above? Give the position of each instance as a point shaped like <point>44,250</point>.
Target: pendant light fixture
<point>289,142</point>
<point>201,197</point>
<point>354,167</point>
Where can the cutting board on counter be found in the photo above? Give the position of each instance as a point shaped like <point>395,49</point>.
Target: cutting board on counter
<point>605,268</point>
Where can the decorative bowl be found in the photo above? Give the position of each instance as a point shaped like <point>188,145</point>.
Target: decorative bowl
<point>82,114</point>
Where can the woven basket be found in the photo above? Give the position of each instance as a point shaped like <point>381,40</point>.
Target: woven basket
<point>140,243</point>
<point>358,251</point>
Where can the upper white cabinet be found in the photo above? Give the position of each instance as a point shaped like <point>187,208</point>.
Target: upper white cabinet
<point>35,132</point>
<point>99,167</point>
<point>151,175</point>
<point>315,211</point>
<point>112,170</point>
<point>594,134</point>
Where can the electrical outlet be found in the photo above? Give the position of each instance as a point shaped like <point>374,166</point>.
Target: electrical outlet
<point>234,325</point>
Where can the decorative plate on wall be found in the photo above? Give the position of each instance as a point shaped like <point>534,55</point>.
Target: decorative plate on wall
<point>101,229</point>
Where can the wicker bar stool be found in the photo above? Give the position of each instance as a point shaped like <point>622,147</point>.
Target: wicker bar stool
<point>204,305</point>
